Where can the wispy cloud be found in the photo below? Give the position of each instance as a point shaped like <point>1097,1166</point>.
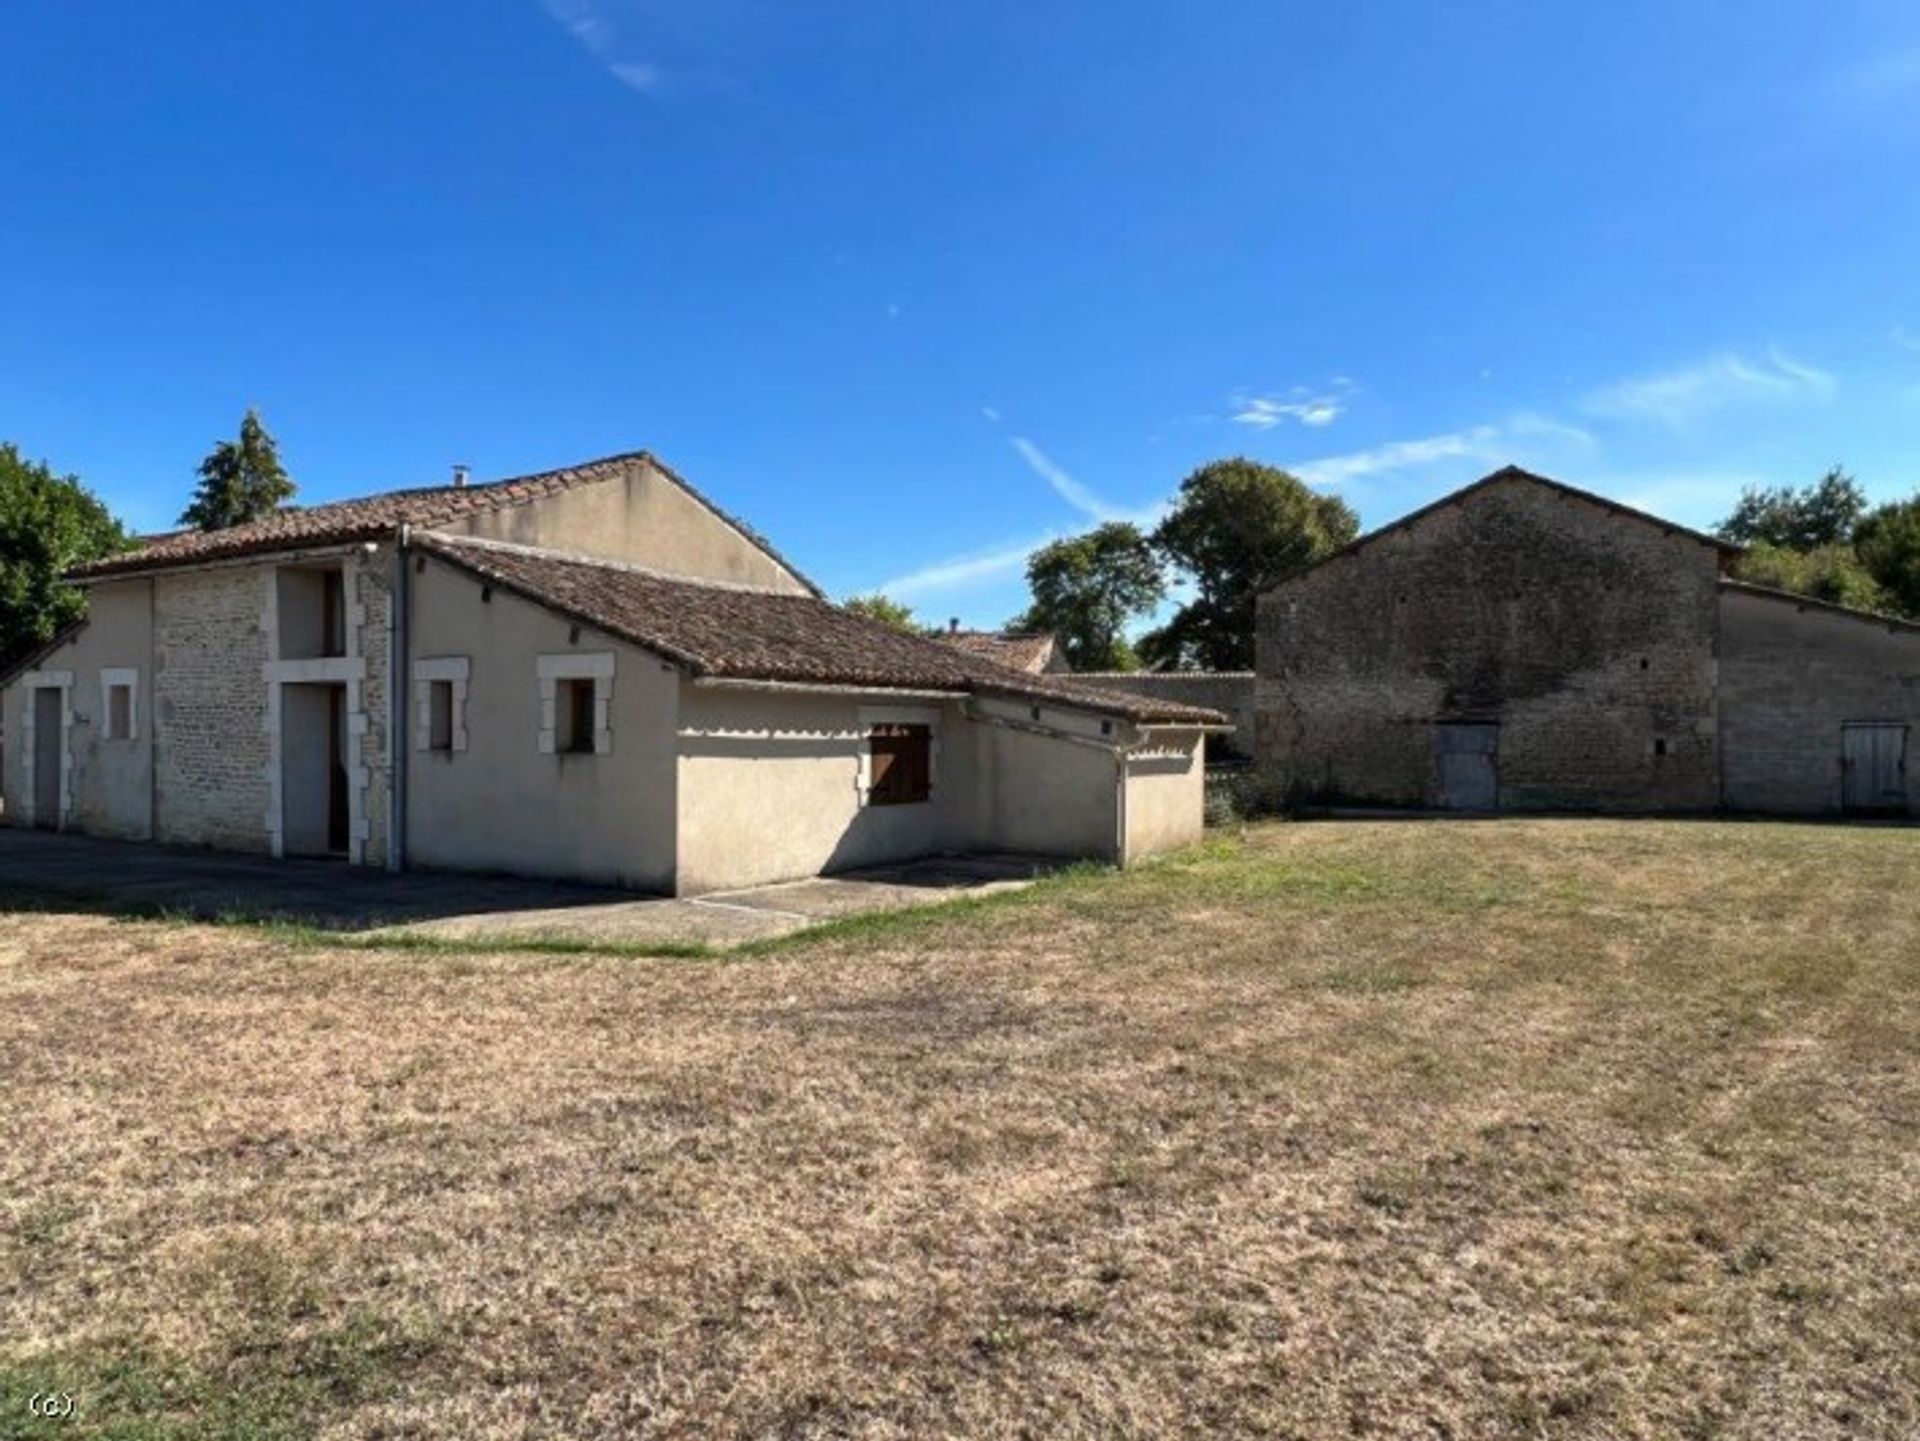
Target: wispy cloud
<point>1676,397</point>
<point>1079,496</point>
<point>1300,404</point>
<point>959,572</point>
<point>588,25</point>
<point>990,413</point>
<point>1523,437</point>
<point>1905,338</point>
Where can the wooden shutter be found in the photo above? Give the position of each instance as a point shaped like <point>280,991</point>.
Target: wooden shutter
<point>901,764</point>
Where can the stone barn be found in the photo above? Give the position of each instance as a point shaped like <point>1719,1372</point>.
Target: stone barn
<point>1524,645</point>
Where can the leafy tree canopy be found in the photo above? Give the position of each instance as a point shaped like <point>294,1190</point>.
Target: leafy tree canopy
<point>48,523</point>
<point>1237,528</point>
<point>1797,518</point>
<point>1888,544</point>
<point>240,481</point>
<point>1831,573</point>
<point>884,609</point>
<point>1087,588</point>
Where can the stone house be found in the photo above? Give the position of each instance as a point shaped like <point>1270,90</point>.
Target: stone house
<point>1521,644</point>
<point>591,674</point>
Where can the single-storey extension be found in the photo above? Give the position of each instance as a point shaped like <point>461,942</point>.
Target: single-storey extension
<point>592,673</point>
<point>1521,644</point>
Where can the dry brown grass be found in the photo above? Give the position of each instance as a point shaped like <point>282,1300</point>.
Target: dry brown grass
<point>1551,1128</point>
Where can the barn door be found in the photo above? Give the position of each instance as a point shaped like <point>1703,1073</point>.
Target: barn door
<point>1467,758</point>
<point>1873,767</point>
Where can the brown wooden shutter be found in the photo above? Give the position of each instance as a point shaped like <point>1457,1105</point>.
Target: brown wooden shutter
<point>901,769</point>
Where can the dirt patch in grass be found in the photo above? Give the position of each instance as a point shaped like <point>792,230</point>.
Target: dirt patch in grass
<point>1444,1130</point>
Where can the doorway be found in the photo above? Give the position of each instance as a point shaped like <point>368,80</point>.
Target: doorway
<point>1873,768</point>
<point>314,814</point>
<point>1467,759</point>
<point>49,747</point>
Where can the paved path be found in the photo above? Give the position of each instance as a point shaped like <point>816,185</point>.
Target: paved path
<point>124,874</point>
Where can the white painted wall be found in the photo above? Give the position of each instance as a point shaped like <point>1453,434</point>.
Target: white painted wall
<point>770,786</point>
<point>501,804</point>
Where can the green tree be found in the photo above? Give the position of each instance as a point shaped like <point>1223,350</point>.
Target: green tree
<point>1237,528</point>
<point>240,481</point>
<point>1087,588</point>
<point>884,609</point>
<point>1824,513</point>
<point>1831,573</point>
<point>48,523</point>
<point>1888,543</point>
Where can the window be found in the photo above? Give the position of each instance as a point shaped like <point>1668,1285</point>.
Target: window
<point>440,703</point>
<point>574,712</point>
<point>119,719</point>
<point>439,715</point>
<point>576,703</point>
<point>902,764</point>
<point>333,613</point>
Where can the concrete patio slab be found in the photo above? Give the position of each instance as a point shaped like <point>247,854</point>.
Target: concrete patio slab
<point>334,896</point>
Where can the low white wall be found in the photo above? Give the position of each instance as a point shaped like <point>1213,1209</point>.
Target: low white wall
<point>1166,794</point>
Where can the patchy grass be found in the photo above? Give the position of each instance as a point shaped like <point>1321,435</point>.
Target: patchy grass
<point>1511,1129</point>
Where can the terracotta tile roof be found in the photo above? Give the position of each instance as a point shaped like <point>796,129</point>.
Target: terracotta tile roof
<point>1017,650</point>
<point>376,517</point>
<point>737,633</point>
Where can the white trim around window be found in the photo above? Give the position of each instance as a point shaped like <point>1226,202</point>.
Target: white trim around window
<point>596,666</point>
<point>456,671</point>
<point>120,676</point>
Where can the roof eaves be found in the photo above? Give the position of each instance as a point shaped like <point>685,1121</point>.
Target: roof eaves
<point>39,653</point>
<point>455,555</point>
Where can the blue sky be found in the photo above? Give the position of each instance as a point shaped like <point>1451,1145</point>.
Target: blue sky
<point>916,285</point>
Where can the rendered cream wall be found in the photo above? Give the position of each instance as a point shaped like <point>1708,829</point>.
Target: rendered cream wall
<point>1048,796</point>
<point>643,518</point>
<point>770,787</point>
<point>501,805</point>
<point>1166,794</point>
<point>112,780</point>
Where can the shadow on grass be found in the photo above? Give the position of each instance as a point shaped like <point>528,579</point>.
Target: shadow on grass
<point>875,926</point>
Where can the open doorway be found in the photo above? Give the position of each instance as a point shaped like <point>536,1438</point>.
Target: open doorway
<point>49,745</point>
<point>313,769</point>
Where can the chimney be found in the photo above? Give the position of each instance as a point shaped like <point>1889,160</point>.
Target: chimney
<point>953,625</point>
<point>460,477</point>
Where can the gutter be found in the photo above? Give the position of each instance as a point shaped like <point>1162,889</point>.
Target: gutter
<point>792,687</point>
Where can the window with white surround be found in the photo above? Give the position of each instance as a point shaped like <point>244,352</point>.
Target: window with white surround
<point>576,703</point>
<point>440,703</point>
<point>120,704</point>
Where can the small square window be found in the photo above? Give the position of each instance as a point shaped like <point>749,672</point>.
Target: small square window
<point>574,707</point>
<point>119,712</point>
<point>440,715</point>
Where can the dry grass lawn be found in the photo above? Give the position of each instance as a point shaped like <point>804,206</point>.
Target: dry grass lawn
<point>1510,1129</point>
